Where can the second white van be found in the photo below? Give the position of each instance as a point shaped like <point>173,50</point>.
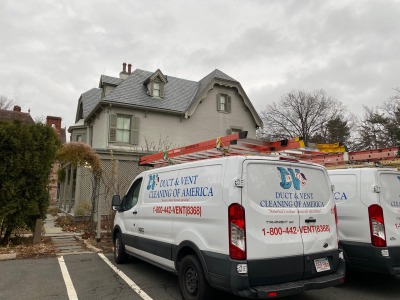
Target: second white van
<point>368,207</point>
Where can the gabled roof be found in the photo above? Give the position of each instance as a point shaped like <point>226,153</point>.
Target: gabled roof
<point>9,115</point>
<point>177,93</point>
<point>181,96</point>
<point>89,101</point>
<point>156,74</point>
<point>204,83</point>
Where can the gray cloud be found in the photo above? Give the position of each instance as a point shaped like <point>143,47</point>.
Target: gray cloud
<point>53,51</point>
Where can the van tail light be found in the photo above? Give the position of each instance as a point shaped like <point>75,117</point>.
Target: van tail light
<point>237,232</point>
<point>377,226</point>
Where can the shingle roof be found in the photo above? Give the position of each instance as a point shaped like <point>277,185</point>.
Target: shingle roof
<point>179,93</point>
<point>89,100</point>
<point>110,80</point>
<point>9,115</point>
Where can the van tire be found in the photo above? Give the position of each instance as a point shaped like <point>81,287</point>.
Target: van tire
<point>192,282</point>
<point>120,255</point>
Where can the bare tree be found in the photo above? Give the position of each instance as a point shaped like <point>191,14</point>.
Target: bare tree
<point>40,119</point>
<point>5,102</point>
<point>300,113</point>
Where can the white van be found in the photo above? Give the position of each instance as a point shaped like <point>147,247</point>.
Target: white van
<point>258,227</point>
<point>368,207</point>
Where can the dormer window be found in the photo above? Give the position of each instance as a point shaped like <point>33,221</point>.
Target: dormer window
<point>155,84</point>
<point>156,89</point>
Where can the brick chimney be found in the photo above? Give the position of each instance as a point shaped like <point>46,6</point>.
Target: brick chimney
<point>123,74</point>
<point>129,69</point>
<point>54,122</point>
<point>17,108</point>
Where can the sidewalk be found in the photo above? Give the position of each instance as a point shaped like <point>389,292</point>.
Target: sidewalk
<point>65,242</point>
<point>51,230</point>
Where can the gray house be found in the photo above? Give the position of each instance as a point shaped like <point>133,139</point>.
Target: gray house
<point>141,111</point>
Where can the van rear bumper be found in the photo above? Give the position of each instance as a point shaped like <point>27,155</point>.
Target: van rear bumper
<point>295,287</point>
<point>366,257</point>
<point>240,286</point>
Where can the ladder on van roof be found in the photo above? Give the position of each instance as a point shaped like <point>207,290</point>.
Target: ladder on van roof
<point>329,155</point>
<point>234,144</point>
<point>382,156</point>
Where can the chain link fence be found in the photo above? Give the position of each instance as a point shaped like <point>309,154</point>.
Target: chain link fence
<point>117,175</point>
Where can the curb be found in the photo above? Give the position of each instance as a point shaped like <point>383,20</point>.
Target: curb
<point>91,247</point>
<point>9,256</point>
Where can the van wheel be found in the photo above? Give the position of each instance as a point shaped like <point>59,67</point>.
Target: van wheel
<point>120,256</point>
<point>192,282</point>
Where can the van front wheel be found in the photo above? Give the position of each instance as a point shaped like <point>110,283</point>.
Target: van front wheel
<point>192,282</point>
<point>120,256</point>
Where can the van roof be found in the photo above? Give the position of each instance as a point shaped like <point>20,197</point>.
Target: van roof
<point>237,158</point>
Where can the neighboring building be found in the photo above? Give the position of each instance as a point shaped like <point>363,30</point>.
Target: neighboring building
<point>15,114</point>
<point>144,111</point>
<point>54,185</point>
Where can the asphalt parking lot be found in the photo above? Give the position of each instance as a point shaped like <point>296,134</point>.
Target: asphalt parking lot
<point>95,276</point>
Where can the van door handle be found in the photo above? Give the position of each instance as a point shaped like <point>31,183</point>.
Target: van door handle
<point>311,220</point>
<point>134,212</point>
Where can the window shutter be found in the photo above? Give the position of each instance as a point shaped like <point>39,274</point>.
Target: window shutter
<point>228,104</point>
<point>218,102</point>
<point>135,130</point>
<point>161,90</point>
<point>151,88</point>
<point>113,129</point>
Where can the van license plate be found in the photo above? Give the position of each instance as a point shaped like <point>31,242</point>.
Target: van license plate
<point>322,264</point>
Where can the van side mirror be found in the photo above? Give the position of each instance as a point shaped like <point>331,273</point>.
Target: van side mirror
<point>116,202</point>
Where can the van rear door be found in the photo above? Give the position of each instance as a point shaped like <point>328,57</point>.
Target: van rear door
<point>290,221</point>
<point>318,220</point>
<point>273,241</point>
<point>389,182</point>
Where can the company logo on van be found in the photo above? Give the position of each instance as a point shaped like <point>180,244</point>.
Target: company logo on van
<point>153,182</point>
<point>291,177</point>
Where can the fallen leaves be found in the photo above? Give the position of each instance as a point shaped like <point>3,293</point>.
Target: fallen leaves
<point>24,248</point>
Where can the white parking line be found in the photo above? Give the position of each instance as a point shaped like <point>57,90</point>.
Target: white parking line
<point>121,274</point>
<point>67,279</point>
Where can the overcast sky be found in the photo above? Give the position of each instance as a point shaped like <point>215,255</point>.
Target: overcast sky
<point>52,51</point>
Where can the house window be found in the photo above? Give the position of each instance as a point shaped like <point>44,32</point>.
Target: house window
<point>80,137</point>
<point>233,129</point>
<point>223,103</point>
<point>123,129</point>
<point>156,89</point>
